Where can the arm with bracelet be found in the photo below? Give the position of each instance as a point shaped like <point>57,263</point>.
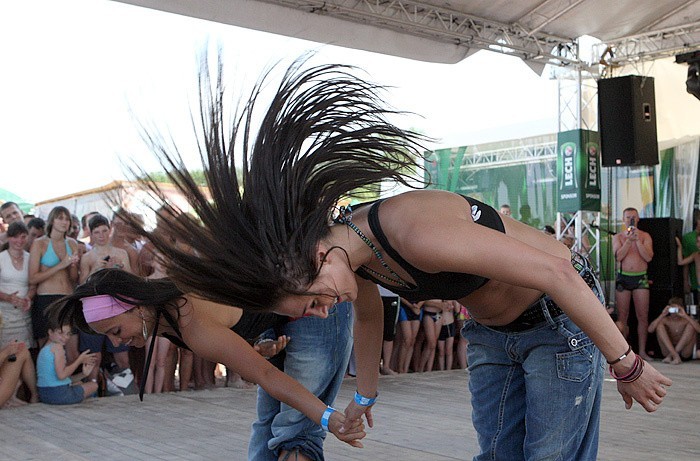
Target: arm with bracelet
<point>368,331</point>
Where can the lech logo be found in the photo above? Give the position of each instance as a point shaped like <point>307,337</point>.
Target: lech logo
<point>568,178</point>
<point>592,166</point>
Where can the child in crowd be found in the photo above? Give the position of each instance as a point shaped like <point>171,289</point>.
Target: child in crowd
<point>54,375</point>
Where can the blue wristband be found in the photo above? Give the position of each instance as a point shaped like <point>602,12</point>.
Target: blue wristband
<point>365,401</point>
<point>326,417</point>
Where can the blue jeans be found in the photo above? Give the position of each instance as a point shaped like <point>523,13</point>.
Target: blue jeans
<point>317,357</point>
<point>536,394</point>
<point>66,394</point>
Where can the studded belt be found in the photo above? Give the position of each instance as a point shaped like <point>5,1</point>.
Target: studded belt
<point>533,316</point>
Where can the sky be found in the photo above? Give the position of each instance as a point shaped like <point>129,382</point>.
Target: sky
<point>80,75</point>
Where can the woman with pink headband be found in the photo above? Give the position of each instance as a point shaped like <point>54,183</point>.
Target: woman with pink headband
<point>128,309</point>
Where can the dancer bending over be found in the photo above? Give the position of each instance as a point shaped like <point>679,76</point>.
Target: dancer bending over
<point>538,323</point>
<point>128,309</point>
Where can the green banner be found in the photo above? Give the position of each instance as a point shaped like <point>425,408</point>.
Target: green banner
<point>578,171</point>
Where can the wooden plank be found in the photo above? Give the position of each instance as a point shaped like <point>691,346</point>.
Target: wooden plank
<point>419,417</point>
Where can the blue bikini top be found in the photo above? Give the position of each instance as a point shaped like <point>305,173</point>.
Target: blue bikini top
<point>50,259</point>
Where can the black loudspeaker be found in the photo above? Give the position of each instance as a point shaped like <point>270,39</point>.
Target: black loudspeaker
<point>664,272</point>
<point>627,121</point>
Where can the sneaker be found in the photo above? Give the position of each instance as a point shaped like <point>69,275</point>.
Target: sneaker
<point>113,389</point>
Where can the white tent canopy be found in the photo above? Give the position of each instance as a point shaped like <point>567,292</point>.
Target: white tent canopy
<point>538,31</point>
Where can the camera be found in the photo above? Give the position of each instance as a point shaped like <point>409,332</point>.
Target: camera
<point>106,258</point>
<point>12,358</point>
<point>672,310</point>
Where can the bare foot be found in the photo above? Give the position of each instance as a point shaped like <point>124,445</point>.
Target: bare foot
<point>387,371</point>
<point>676,360</point>
<point>667,359</point>
<point>645,356</point>
<point>14,402</point>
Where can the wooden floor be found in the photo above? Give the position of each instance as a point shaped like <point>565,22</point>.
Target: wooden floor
<point>419,417</point>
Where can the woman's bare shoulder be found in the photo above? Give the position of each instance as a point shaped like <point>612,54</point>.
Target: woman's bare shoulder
<point>207,311</point>
<point>425,203</point>
<point>40,243</point>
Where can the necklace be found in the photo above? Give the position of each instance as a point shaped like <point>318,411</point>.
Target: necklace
<point>16,259</point>
<point>345,217</point>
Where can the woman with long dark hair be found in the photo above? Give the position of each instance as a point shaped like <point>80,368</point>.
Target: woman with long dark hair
<point>275,240</point>
<point>53,267</point>
<point>128,309</point>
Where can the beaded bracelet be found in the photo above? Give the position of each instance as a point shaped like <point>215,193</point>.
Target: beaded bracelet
<point>633,374</point>
<point>622,357</point>
<point>326,418</point>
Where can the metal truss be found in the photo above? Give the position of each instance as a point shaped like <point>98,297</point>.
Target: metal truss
<point>583,227</point>
<point>578,103</point>
<point>513,155</point>
<point>649,46</point>
<point>578,95</point>
<point>444,25</point>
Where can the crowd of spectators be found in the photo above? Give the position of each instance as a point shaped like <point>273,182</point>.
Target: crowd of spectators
<point>43,260</point>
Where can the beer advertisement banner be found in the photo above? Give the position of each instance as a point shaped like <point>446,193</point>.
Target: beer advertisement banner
<point>578,171</point>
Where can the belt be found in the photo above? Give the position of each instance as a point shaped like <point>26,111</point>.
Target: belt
<point>533,315</point>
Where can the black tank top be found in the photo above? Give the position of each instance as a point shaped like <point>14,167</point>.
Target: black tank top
<point>441,285</point>
<point>249,327</point>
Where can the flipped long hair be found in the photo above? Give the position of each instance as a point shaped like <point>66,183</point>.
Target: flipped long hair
<point>323,136</point>
<point>150,294</point>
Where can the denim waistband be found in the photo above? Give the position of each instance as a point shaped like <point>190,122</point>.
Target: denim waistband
<point>535,312</point>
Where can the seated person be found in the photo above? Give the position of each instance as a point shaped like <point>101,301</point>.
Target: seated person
<point>16,367</point>
<point>676,331</point>
<point>55,381</point>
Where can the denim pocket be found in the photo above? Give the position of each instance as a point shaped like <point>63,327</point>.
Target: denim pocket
<point>577,364</point>
<point>468,325</point>
<point>574,366</point>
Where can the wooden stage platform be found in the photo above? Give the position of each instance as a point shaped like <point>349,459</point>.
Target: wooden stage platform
<point>420,417</point>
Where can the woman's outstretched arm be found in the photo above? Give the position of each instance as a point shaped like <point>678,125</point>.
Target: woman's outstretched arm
<point>218,343</point>
<point>368,333</point>
<point>488,253</point>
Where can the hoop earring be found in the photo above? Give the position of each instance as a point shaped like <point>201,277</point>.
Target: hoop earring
<point>144,330</point>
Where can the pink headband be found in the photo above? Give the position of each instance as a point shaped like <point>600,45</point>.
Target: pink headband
<point>100,307</point>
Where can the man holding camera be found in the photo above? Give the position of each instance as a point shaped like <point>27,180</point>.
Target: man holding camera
<point>676,331</point>
<point>633,250</point>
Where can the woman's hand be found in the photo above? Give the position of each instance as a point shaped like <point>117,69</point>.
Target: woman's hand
<point>350,432</point>
<point>354,413</point>
<point>15,300</point>
<point>12,348</point>
<point>68,261</point>
<point>26,304</point>
<point>649,390</point>
<point>270,347</point>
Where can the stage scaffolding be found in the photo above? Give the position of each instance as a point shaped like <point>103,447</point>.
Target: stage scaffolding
<point>578,102</point>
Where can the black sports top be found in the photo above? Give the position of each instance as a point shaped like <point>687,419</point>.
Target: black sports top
<point>249,326</point>
<point>440,285</point>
